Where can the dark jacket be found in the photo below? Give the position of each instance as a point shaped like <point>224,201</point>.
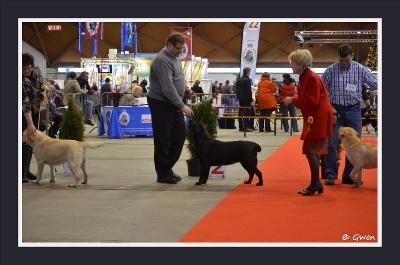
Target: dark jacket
<point>243,91</point>
<point>83,84</point>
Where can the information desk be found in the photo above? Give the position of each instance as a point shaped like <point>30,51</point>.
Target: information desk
<point>125,120</point>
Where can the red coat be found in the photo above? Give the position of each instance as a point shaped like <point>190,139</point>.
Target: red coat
<point>313,101</point>
<point>266,94</point>
<point>287,90</point>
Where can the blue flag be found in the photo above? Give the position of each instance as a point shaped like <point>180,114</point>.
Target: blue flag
<point>128,34</point>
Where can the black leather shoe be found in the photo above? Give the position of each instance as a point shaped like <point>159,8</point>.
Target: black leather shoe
<point>25,180</point>
<point>330,181</point>
<point>30,176</point>
<point>167,179</point>
<point>269,130</point>
<point>312,189</point>
<point>175,176</point>
<point>248,130</point>
<point>90,123</point>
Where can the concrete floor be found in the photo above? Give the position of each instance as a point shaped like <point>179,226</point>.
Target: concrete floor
<point>122,203</point>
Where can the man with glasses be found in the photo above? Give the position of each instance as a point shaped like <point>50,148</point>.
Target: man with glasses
<point>165,100</point>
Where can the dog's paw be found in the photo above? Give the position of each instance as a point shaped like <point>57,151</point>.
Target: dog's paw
<point>72,185</point>
<point>36,182</point>
<point>52,181</point>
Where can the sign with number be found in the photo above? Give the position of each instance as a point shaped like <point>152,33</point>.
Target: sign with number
<point>53,27</point>
<point>217,172</point>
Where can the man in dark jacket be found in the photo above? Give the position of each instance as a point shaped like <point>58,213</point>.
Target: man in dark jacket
<point>244,95</point>
<point>88,109</point>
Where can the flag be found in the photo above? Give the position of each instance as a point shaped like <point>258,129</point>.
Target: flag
<point>80,37</point>
<point>128,34</point>
<point>248,56</point>
<point>93,30</point>
<point>186,54</point>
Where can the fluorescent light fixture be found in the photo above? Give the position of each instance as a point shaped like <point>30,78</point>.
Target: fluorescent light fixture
<point>66,70</point>
<point>259,70</point>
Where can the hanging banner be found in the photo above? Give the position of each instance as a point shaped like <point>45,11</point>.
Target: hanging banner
<point>94,47</point>
<point>80,37</point>
<point>122,37</point>
<point>135,39</point>
<point>128,34</point>
<point>248,56</point>
<point>93,30</point>
<point>186,54</point>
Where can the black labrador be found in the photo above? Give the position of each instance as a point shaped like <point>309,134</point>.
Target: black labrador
<point>212,152</point>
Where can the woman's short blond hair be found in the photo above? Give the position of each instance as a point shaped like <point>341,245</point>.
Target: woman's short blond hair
<point>301,57</point>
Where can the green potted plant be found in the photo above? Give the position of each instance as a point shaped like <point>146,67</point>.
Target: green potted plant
<point>72,125</point>
<point>204,112</point>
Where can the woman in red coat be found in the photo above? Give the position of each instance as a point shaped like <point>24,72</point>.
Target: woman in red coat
<point>315,106</point>
<point>266,101</point>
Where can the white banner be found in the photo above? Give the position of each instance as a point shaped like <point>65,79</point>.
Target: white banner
<point>248,57</point>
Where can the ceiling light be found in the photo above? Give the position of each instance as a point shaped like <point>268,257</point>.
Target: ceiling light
<point>299,39</point>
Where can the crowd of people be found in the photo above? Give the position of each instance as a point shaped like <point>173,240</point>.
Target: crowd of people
<point>339,91</point>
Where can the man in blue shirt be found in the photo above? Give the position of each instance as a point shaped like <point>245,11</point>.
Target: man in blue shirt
<point>344,80</point>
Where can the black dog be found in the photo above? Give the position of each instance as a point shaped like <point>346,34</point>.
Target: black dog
<point>212,152</point>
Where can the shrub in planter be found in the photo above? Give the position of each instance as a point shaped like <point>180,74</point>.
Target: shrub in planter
<point>72,125</point>
<point>204,112</point>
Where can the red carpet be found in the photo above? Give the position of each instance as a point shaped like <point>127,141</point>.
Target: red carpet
<point>276,213</point>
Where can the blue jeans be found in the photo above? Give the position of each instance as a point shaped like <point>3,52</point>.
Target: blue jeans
<point>88,110</point>
<point>348,116</point>
<point>292,112</point>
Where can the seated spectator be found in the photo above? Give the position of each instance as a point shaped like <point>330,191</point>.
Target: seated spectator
<point>106,88</point>
<point>93,88</point>
<point>56,115</point>
<point>143,84</point>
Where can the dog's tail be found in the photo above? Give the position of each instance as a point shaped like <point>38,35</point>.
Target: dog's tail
<point>257,147</point>
<point>91,144</point>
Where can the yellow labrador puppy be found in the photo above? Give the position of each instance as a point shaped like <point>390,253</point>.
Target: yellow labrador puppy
<point>360,154</point>
<point>58,151</point>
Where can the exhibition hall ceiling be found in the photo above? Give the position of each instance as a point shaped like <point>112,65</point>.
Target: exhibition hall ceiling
<point>219,42</point>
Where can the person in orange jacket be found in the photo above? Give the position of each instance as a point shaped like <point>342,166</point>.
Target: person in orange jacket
<point>266,101</point>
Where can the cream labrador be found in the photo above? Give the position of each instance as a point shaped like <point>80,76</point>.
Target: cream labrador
<point>360,154</point>
<point>58,151</point>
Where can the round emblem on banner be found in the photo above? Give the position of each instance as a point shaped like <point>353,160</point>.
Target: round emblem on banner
<point>124,118</point>
<point>184,52</point>
<point>249,54</point>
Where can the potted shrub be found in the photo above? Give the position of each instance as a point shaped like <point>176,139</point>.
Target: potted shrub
<point>204,112</point>
<point>72,127</point>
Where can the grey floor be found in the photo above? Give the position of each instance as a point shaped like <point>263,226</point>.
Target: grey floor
<point>122,202</point>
